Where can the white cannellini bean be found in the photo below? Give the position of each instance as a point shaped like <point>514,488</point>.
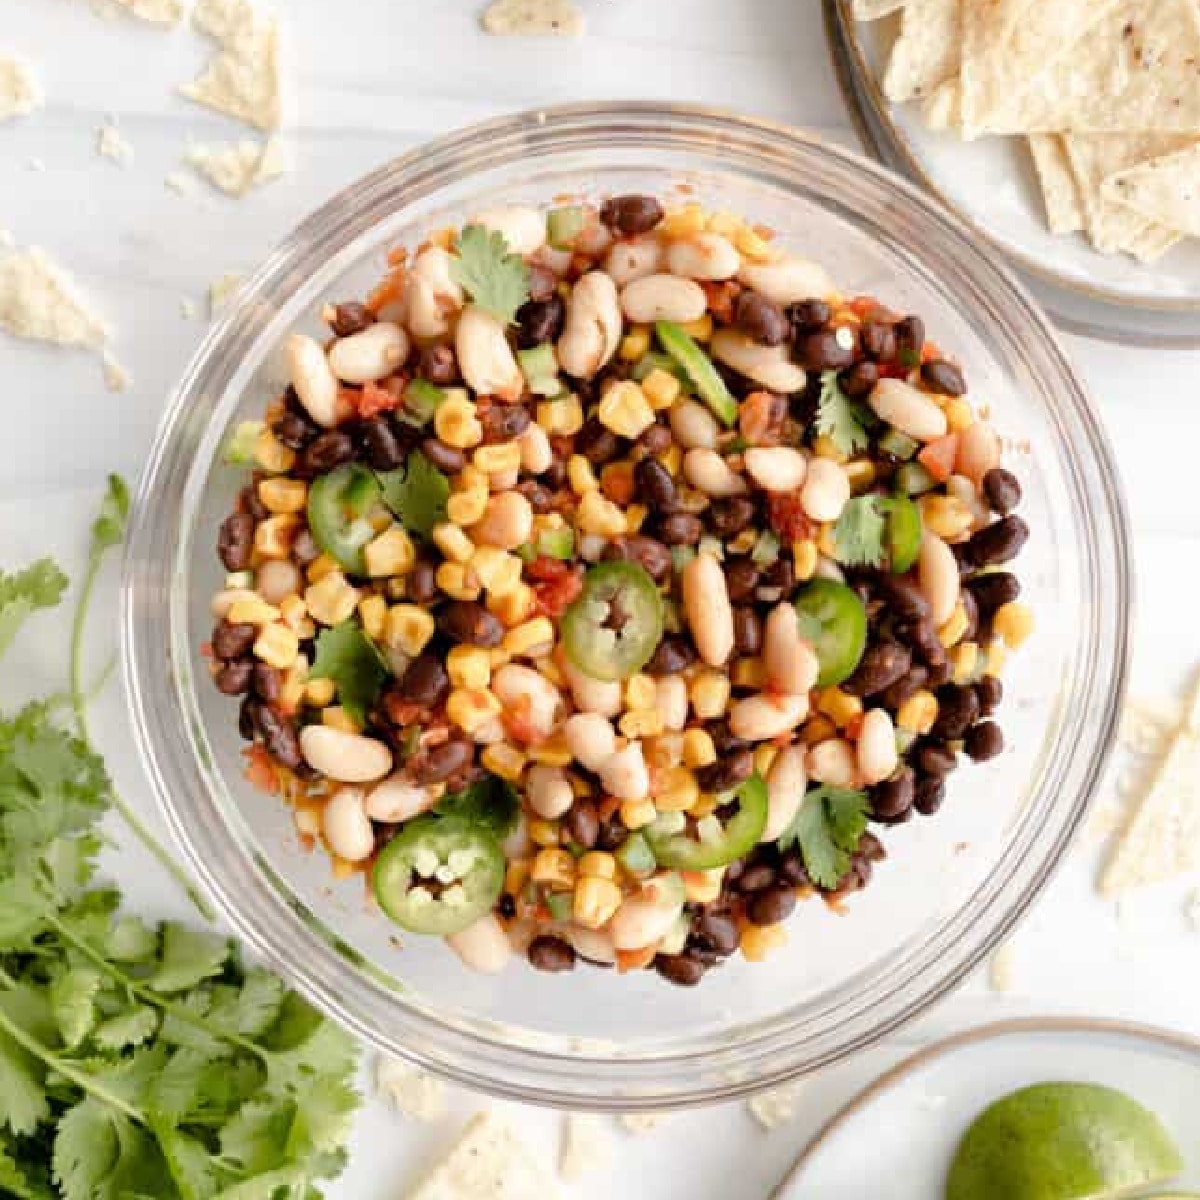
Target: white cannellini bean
<point>776,468</point>
<point>277,579</point>
<point>548,791</point>
<point>833,761</point>
<point>937,577</point>
<point>593,327</point>
<point>432,297</point>
<point>593,944</point>
<point>790,662</point>
<point>826,490</point>
<point>963,490</point>
<point>786,280</point>
<point>768,365</point>
<point>634,259</point>
<point>786,783</point>
<point>483,946</point>
<point>313,378</point>
<point>398,799</point>
<point>523,228</point>
<point>671,701</point>
<point>763,717</point>
<point>346,826</point>
<point>490,733</point>
<point>624,774</point>
<point>513,683</point>
<point>506,523</point>
<point>594,238</point>
<point>707,256</point>
<point>641,921</point>
<point>907,409</point>
<point>707,609</point>
<point>663,298</point>
<point>344,757</point>
<point>693,425</point>
<point>485,357</point>
<point>536,453</point>
<point>599,696</point>
<point>877,753</point>
<point>223,601</point>
<point>365,357</point>
<point>590,739</point>
<point>978,451</point>
<point>709,471</point>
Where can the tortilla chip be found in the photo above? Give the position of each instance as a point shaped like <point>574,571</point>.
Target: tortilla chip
<point>1164,189</point>
<point>1153,243</point>
<point>1136,70</point>
<point>1060,190</point>
<point>942,108</point>
<point>872,10</point>
<point>533,18</point>
<point>928,50</point>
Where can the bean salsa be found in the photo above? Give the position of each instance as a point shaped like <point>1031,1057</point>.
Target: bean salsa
<point>603,578</point>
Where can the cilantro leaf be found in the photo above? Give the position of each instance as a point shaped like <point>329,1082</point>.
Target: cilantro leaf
<point>858,535</point>
<point>492,803</point>
<point>495,279</point>
<point>349,658</point>
<point>73,999</point>
<point>188,957</point>
<point>828,827</point>
<point>133,1027</point>
<point>417,493</point>
<point>108,529</point>
<point>86,1150</point>
<point>40,585</point>
<point>839,418</point>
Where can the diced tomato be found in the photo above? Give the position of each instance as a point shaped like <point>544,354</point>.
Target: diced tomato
<point>786,516</point>
<point>554,596</point>
<point>391,290</point>
<point>760,416</point>
<point>206,650</point>
<point>607,807</point>
<point>938,457</point>
<point>635,960</point>
<point>721,299</point>
<point>893,370</point>
<point>261,772</point>
<point>616,482</point>
<point>374,399</point>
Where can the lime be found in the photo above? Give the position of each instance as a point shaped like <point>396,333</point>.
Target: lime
<point>1061,1141</point>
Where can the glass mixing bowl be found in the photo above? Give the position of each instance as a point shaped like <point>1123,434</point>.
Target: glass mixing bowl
<point>953,885</point>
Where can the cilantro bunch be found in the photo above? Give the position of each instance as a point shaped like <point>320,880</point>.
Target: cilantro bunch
<point>135,1060</point>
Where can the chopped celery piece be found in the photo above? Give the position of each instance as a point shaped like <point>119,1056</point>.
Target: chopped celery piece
<point>564,225</point>
<point>557,543</point>
<point>526,552</point>
<point>681,556</point>
<point>898,445</point>
<point>239,447</point>
<point>914,480</point>
<point>559,904</point>
<point>766,549</point>
<point>539,362</point>
<point>635,855</point>
<point>684,349</point>
<point>421,401</point>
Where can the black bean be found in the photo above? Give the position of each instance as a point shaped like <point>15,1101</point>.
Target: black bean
<point>382,446</point>
<point>910,340</point>
<point>233,641</point>
<point>233,678</point>
<point>903,596</point>
<point>548,953</point>
<point>727,772</point>
<point>761,319</point>
<point>943,377</point>
<point>655,486</point>
<point>824,351</point>
<point>808,316</point>
<point>998,542</point>
<point>779,576</point>
<point>250,502</point>
<point>993,590</point>
<point>543,282</point>
<point>929,796</point>
<point>555,475</point>
<point>540,321</point>
<point>582,824</point>
<point>279,736</point>
<point>653,556</point>
<point>756,878</point>
<point>235,541</point>
<point>680,529</point>
<point>674,654</point>
<point>724,741</point>
<point>971,612</point>
<point>883,664</point>
<point>350,318</point>
<point>747,630</point>
<point>425,681</point>
<point>437,764</point>
<point>934,758</point>
<point>247,724</point>
<point>940,672</point>
<point>1001,490</point>
<point>679,969</point>
<point>989,691</point>
<point>892,799</point>
<point>792,869</point>
<point>268,683</point>
<point>923,638</point>
<point>438,364</point>
<point>631,215</point>
<point>715,932</point>
<point>878,341</point>
<point>909,685</point>
<point>295,430</point>
<point>772,906</point>
<point>657,439</point>
<point>984,740</point>
<point>597,443</point>
<point>422,582</point>
<point>468,621</point>
<point>958,710</point>
<point>448,459</point>
<point>871,848</point>
<point>329,450</point>
<point>741,578</point>
<point>503,422</point>
<point>540,498</point>
<point>729,517</point>
<point>860,380</point>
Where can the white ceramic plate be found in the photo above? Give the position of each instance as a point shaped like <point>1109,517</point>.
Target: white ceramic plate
<point>904,1128</point>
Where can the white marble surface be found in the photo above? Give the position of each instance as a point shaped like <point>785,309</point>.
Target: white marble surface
<point>372,78</point>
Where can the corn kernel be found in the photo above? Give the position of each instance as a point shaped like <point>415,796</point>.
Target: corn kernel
<point>391,553</point>
<point>840,707</point>
<point>764,757</point>
<point>1013,623</point>
<point>498,457</point>
<point>295,684</point>
<point>555,866</point>
<point>598,864</point>
<point>641,724</point>
<point>336,717</point>
<point>947,516</point>
<point>469,667</point>
<point>504,760</point>
<point>698,748</point>
<point>918,713</point>
<point>579,786</point>
<point>516,875</point>
<point>409,628</point>
<point>372,612</point>
<point>625,410</point>
<point>635,515</point>
<point>683,222</point>
<point>675,790</point>
<point>320,566</point>
<point>706,805</point>
<point>749,673</point>
<point>634,344</point>
<point>552,753</point>
<point>861,474</point>
<point>457,424</point>
<point>725,223</point>
<point>640,692</point>
<point>805,556</point>
<point>468,506</point>
<point>703,887</point>
<point>744,542</point>
<point>598,515</point>
<point>271,454</point>
<point>709,694</point>
<point>273,537</point>
<point>283,495</point>
<point>636,814</point>
<point>995,657</point>
<point>752,245</point>
<point>759,940</point>
<point>552,671</point>
<point>818,728</point>
<point>332,599</point>
<point>563,416</point>
<point>531,639</point>
<point>672,459</point>
<point>319,692</point>
<point>661,388</point>
<point>580,475</point>
<point>542,832</point>
<point>252,611</point>
<point>450,539</point>
<point>471,708</point>
<point>964,659</point>
<point>457,581</point>
<point>827,542</point>
<point>700,330</point>
<point>277,645</point>
<point>512,607</point>
<point>497,571</point>
<point>595,901</point>
<point>824,447</point>
<point>959,416</point>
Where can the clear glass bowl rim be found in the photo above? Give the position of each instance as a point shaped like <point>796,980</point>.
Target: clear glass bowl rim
<point>158,661</point>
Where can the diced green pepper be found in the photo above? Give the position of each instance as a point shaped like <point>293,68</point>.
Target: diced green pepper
<point>421,401</point>
<point>564,225</point>
<point>635,855</point>
<point>914,480</point>
<point>898,445</point>
<point>239,446</point>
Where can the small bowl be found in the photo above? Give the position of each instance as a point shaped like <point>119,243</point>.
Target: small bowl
<point>953,885</point>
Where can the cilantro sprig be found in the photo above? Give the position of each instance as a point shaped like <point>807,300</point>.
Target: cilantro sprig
<point>417,493</point>
<point>828,828</point>
<point>839,418</point>
<point>859,533</point>
<point>347,657</point>
<point>22,593</point>
<point>496,279</point>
